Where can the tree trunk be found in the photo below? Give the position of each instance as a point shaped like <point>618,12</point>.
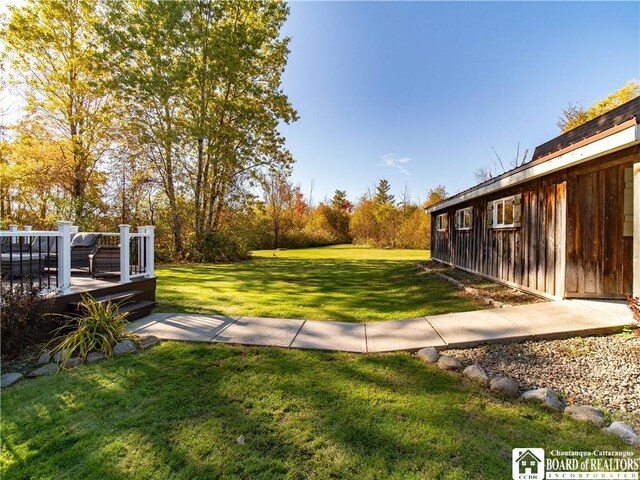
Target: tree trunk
<point>170,188</point>
<point>198,188</point>
<point>202,167</point>
<point>276,231</point>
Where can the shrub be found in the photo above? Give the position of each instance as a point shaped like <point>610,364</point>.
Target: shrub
<point>306,239</point>
<point>99,328</point>
<point>22,318</point>
<point>634,305</point>
<point>223,247</point>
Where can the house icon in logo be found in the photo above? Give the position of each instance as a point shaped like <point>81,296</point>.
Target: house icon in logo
<point>528,463</point>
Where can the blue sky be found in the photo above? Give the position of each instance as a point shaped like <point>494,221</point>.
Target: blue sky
<point>419,92</point>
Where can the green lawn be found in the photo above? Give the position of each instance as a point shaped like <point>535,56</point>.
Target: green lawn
<point>345,282</point>
<point>176,411</point>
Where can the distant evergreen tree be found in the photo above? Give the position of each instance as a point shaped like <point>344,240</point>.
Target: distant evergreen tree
<point>382,193</point>
<point>341,202</point>
<point>339,197</point>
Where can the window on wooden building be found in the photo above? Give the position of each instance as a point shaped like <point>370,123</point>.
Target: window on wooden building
<point>442,222</point>
<point>504,212</point>
<point>463,219</point>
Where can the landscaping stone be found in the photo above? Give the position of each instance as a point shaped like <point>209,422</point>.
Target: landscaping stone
<point>505,386</point>
<point>44,371</point>
<point>124,346</point>
<point>429,354</point>
<point>59,355</point>
<point>148,341</point>
<point>586,413</point>
<point>600,371</point>
<point>624,432</point>
<point>45,357</point>
<point>73,362</point>
<point>9,379</point>
<point>545,396</point>
<point>94,357</point>
<point>445,362</point>
<point>476,373</point>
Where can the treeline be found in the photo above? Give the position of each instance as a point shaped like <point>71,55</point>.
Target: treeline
<point>166,113</point>
<point>284,218</point>
<point>144,111</point>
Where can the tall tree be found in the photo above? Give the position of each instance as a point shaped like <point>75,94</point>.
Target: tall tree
<point>5,203</point>
<point>340,201</point>
<point>435,195</point>
<point>575,114</point>
<point>236,57</point>
<point>300,208</point>
<point>278,198</point>
<point>144,42</point>
<point>53,48</point>
<point>382,195</point>
<point>498,166</point>
<point>204,79</point>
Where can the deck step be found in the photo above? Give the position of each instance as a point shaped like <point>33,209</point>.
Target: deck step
<point>137,309</point>
<point>119,298</point>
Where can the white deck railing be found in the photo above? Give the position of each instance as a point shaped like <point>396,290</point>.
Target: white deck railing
<point>144,260</point>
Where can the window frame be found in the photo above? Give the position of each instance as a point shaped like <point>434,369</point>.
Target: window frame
<point>439,227</point>
<point>460,214</point>
<point>503,201</point>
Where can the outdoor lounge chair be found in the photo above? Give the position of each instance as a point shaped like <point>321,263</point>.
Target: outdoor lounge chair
<point>82,245</point>
<point>4,244</point>
<point>27,259</point>
<point>105,261</point>
<point>44,245</point>
<point>22,264</point>
<point>19,246</point>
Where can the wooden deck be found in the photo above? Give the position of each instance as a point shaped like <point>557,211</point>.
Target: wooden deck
<point>143,289</point>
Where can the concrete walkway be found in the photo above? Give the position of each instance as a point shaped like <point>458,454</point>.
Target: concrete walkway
<point>563,319</point>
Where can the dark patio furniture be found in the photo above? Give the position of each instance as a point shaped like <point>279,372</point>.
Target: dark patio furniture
<point>82,245</point>
<point>105,261</point>
<point>18,246</point>
<point>44,245</point>
<point>4,244</point>
<point>17,265</point>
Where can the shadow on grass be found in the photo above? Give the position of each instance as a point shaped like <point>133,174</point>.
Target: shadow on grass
<point>177,410</point>
<point>320,289</point>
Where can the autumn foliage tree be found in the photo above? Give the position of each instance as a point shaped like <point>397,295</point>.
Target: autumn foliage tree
<point>54,53</point>
<point>204,78</point>
<point>168,113</point>
<point>575,114</point>
<point>378,221</point>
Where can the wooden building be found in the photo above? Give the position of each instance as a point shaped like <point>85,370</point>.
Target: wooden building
<point>566,224</point>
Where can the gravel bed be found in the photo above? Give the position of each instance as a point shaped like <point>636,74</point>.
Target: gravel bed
<point>486,287</point>
<point>599,371</point>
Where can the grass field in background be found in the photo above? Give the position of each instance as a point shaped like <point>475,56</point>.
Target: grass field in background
<point>176,411</point>
<point>344,282</point>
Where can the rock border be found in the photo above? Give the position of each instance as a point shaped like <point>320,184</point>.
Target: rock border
<point>508,388</point>
<point>474,292</point>
<point>54,364</point>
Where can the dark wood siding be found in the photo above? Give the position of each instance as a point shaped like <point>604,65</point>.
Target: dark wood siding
<point>599,256</point>
<point>571,241</point>
<point>525,256</point>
